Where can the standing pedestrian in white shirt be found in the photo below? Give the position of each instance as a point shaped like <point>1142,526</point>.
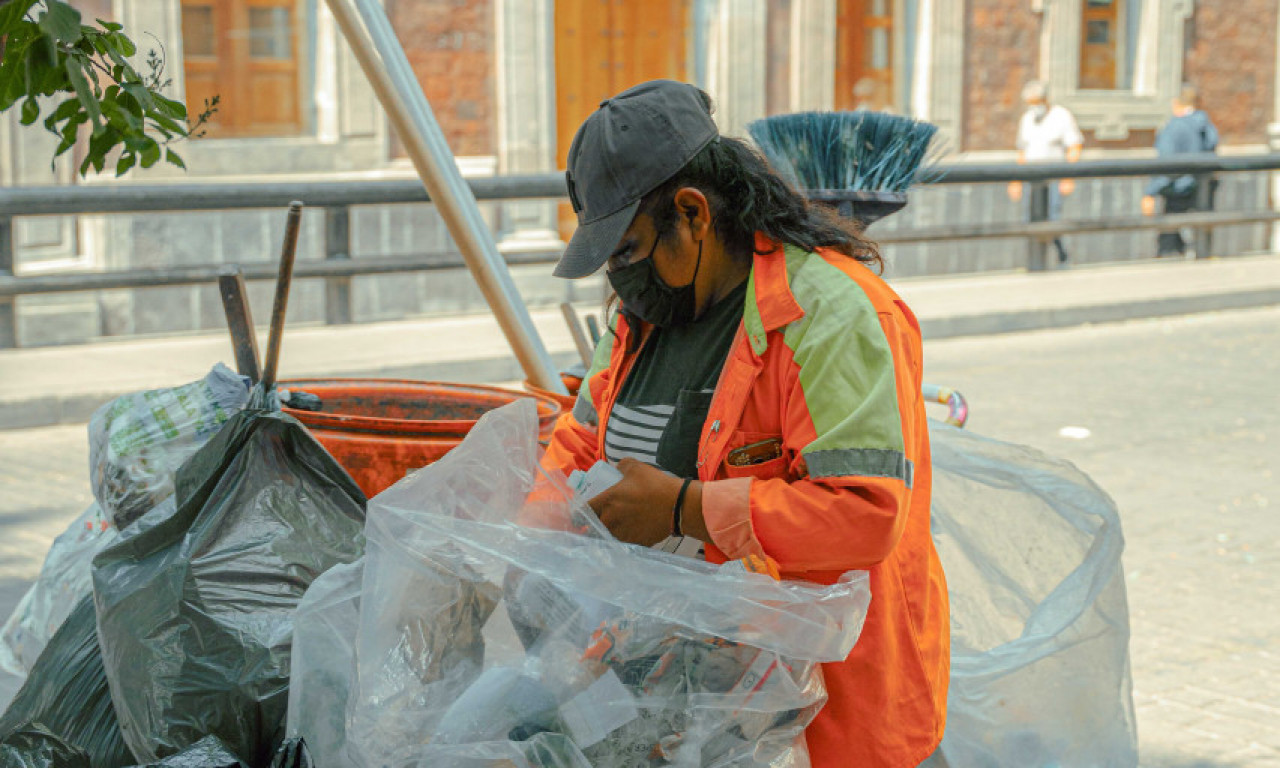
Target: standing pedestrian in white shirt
<point>1047,134</point>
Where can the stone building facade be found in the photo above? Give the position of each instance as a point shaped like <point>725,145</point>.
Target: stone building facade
<point>509,80</point>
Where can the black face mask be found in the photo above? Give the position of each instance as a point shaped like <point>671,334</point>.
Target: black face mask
<point>645,294</point>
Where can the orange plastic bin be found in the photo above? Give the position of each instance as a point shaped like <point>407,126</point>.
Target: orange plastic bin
<point>572,382</point>
<point>382,429</point>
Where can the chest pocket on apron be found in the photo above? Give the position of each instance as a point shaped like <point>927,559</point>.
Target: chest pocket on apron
<point>678,447</point>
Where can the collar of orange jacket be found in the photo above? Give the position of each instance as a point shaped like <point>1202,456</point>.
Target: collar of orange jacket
<point>770,286</point>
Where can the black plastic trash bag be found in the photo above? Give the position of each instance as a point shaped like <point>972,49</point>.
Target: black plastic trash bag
<point>67,695</point>
<point>292,754</point>
<point>35,747</point>
<point>208,752</point>
<point>195,614</point>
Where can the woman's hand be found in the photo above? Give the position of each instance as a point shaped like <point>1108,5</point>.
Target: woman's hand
<point>638,509</point>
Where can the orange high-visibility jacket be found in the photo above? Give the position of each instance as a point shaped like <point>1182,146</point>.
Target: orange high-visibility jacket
<point>828,359</point>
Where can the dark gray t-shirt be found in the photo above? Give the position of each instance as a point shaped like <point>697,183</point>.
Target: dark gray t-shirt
<point>659,413</point>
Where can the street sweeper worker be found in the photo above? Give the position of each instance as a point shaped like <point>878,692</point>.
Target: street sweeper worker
<point>760,393</point>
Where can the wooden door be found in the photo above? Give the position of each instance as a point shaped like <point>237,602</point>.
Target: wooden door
<point>1099,40</point>
<point>607,46</point>
<point>864,54</point>
<point>245,52</point>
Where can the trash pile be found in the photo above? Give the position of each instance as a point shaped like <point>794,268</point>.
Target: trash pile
<point>174,604</point>
<point>225,602</point>
<point>483,629</point>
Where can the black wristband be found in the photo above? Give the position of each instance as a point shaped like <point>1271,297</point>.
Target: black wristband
<point>678,508</point>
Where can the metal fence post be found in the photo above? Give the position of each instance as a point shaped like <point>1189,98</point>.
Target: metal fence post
<point>1038,210</point>
<point>8,304</point>
<point>337,247</point>
<point>1203,236</point>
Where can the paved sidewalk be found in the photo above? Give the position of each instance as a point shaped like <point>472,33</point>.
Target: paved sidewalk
<point>63,385</point>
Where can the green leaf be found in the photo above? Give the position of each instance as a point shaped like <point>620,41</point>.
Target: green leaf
<point>71,130</point>
<point>172,158</point>
<point>167,124</point>
<point>45,76</point>
<point>140,92</point>
<point>13,67</point>
<point>63,146</point>
<point>12,12</point>
<point>30,111</point>
<point>61,22</point>
<point>64,110</point>
<point>150,155</point>
<point>175,109</point>
<point>110,26</point>
<point>84,93</point>
<point>125,163</point>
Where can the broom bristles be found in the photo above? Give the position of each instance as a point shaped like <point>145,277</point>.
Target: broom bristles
<point>858,150</point>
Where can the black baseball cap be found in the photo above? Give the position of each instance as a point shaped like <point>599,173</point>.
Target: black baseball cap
<point>625,149</point>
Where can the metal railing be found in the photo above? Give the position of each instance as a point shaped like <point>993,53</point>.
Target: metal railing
<point>337,198</point>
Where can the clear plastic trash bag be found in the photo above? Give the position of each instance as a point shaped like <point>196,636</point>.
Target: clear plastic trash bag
<point>324,657</point>
<point>1039,618</point>
<point>499,627</point>
<point>63,581</point>
<point>138,441</point>
<point>195,613</point>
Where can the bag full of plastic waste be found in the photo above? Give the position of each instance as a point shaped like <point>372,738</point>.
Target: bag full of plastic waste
<point>34,746</point>
<point>323,666</point>
<point>624,656</point>
<point>208,752</point>
<point>137,442</point>
<point>1039,618</point>
<point>195,613</point>
<point>63,581</point>
<point>67,696</point>
<point>64,578</point>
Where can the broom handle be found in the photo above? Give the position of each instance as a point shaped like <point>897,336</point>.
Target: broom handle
<point>283,281</point>
<point>235,304</point>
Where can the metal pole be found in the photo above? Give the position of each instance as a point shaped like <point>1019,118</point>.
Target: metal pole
<point>1203,236</point>
<point>8,304</point>
<point>387,69</point>
<point>337,247</point>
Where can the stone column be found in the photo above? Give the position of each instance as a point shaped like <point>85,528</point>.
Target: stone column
<point>1273,143</point>
<point>736,71</point>
<point>937,94</point>
<point>525,41</point>
<point>813,55</point>
<point>328,41</point>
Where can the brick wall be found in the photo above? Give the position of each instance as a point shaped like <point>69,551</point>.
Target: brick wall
<point>450,44</point>
<point>1231,58</point>
<point>1002,50</point>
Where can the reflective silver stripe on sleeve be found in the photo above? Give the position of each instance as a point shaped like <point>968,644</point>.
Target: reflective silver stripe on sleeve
<point>585,412</point>
<point>860,462</point>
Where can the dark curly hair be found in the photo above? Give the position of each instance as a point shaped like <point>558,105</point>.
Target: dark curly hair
<point>746,197</point>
